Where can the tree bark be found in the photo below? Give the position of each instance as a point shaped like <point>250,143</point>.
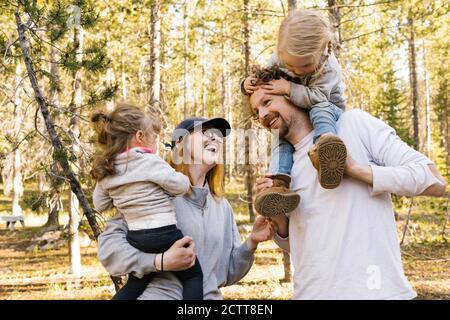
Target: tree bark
<point>109,74</point>
<point>185,60</point>
<point>413,82</point>
<point>335,18</point>
<point>155,56</point>
<point>249,176</point>
<point>427,104</point>
<point>74,131</point>
<point>203,63</point>
<point>17,186</point>
<point>55,203</point>
<point>286,255</point>
<point>292,5</point>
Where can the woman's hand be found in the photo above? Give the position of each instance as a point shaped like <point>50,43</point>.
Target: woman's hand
<point>278,87</point>
<point>180,256</point>
<point>263,230</point>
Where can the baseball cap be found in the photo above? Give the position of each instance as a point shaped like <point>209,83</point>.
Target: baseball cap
<point>187,126</point>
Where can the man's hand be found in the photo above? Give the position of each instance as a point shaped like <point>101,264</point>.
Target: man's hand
<point>280,223</point>
<point>264,183</point>
<point>263,230</point>
<point>278,87</point>
<point>357,171</point>
<point>250,84</point>
<point>180,256</point>
<point>437,189</point>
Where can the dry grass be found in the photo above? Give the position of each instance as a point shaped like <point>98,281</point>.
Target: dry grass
<point>44,274</point>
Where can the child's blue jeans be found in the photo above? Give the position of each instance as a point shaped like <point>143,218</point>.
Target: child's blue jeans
<point>323,118</point>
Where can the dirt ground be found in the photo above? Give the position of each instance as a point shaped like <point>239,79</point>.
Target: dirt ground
<point>44,274</point>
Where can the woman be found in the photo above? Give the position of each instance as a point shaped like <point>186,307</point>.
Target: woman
<point>203,215</point>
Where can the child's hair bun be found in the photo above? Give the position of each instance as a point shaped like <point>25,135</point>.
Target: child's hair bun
<point>100,120</point>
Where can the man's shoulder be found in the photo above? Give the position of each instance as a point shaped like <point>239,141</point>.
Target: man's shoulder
<point>354,116</point>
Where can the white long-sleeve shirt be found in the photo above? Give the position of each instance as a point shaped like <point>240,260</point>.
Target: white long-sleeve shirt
<point>343,242</point>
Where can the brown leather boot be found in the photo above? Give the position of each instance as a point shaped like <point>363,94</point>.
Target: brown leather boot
<point>278,198</point>
<point>328,157</point>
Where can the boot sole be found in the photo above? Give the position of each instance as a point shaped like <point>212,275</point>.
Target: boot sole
<point>276,203</point>
<point>332,156</point>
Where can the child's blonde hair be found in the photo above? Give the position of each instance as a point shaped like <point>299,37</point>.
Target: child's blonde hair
<point>305,32</point>
<point>114,132</point>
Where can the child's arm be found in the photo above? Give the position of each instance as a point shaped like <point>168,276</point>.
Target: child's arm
<point>102,200</point>
<point>161,173</point>
<point>303,96</point>
<point>248,85</point>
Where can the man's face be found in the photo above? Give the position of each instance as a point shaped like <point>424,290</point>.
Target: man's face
<point>274,111</point>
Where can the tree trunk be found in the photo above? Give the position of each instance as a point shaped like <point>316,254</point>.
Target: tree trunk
<point>74,131</point>
<point>55,203</point>
<point>223,93</point>
<point>286,256</point>
<point>427,104</point>
<point>185,60</point>
<point>55,206</point>
<point>203,63</point>
<point>249,176</point>
<point>413,82</point>
<point>155,56</point>
<point>335,18</point>
<point>109,74</point>
<point>292,5</point>
<point>17,186</point>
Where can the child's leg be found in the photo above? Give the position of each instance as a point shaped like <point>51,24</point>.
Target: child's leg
<point>329,153</point>
<point>133,288</point>
<point>136,286</point>
<point>160,240</point>
<point>192,280</point>
<point>323,119</point>
<point>279,198</point>
<point>282,156</point>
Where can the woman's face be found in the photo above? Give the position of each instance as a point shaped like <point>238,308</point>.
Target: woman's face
<point>204,146</point>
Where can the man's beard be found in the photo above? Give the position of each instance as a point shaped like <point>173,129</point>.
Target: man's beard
<point>284,129</point>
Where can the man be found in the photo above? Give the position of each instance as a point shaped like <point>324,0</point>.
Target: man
<point>343,242</point>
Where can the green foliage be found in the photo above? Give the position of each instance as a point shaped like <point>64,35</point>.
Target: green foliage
<point>105,94</point>
<point>36,201</point>
<point>389,104</point>
<point>95,58</point>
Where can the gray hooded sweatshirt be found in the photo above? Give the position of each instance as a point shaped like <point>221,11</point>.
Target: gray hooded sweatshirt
<point>210,222</point>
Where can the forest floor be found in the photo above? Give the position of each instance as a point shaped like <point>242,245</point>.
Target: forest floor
<point>43,274</point>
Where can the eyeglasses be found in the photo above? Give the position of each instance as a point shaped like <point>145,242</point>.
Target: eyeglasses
<point>212,133</point>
